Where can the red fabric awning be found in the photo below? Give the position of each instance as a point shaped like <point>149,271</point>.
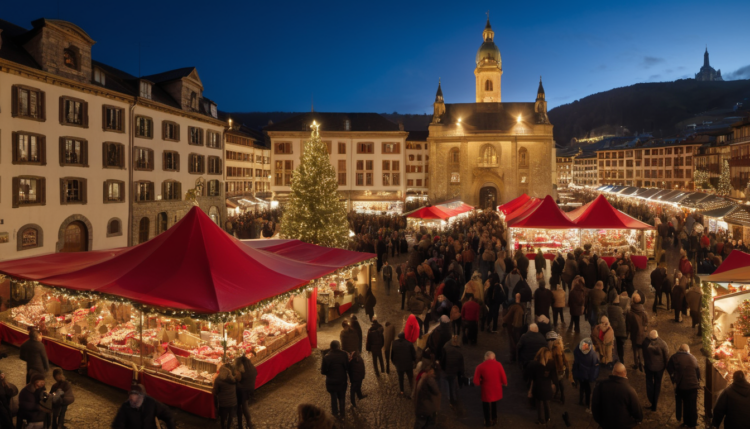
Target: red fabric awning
<point>438,212</point>
<point>735,260</point>
<point>192,266</point>
<point>546,215</point>
<point>513,204</point>
<point>524,210</point>
<point>576,213</point>
<point>601,215</point>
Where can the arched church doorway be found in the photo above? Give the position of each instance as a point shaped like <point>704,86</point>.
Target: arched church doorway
<point>75,237</point>
<point>488,196</point>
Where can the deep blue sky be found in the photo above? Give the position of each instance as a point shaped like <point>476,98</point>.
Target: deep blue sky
<point>387,56</point>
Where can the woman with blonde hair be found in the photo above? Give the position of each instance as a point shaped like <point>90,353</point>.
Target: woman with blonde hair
<point>557,347</point>
<point>542,373</point>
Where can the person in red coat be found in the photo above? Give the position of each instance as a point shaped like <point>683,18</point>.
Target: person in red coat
<point>470,312</point>
<point>412,329</point>
<point>686,268</point>
<point>490,377</point>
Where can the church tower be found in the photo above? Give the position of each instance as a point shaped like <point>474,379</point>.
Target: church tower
<point>489,68</point>
<point>438,106</point>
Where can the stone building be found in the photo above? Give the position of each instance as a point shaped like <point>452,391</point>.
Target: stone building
<point>248,162</point>
<point>564,166</point>
<point>366,150</point>
<point>489,152</point>
<point>708,73</point>
<point>417,158</point>
<point>89,151</point>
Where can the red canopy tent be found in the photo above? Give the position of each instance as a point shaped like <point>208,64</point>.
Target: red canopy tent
<point>192,266</point>
<point>736,268</point>
<point>513,204</point>
<point>576,213</point>
<point>599,214</point>
<point>439,212</point>
<point>524,210</point>
<point>547,215</point>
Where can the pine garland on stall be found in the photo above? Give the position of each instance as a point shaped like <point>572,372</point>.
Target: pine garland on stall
<point>314,213</point>
<point>706,322</point>
<point>742,324</point>
<point>725,184</point>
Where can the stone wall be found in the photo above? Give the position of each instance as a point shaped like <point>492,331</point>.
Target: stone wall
<point>47,48</point>
<point>175,210</point>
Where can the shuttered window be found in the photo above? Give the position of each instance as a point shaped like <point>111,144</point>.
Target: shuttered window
<point>72,190</point>
<point>170,161</point>
<point>113,155</point>
<point>144,159</point>
<point>171,190</point>
<point>170,131</point>
<point>74,112</point>
<point>29,148</point>
<point>114,191</point>
<point>144,127</point>
<point>29,191</point>
<point>195,136</point>
<point>28,103</point>
<point>144,191</point>
<point>214,165</point>
<point>74,152</point>
<point>113,119</point>
<point>196,164</point>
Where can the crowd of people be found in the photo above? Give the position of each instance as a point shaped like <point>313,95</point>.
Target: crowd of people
<point>252,224</point>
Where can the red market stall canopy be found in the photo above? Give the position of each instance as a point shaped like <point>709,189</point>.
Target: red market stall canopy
<point>442,213</point>
<point>736,268</point>
<point>547,215</point>
<point>513,204</point>
<point>599,214</point>
<point>524,210</point>
<point>576,213</point>
<point>193,266</point>
<point>308,253</point>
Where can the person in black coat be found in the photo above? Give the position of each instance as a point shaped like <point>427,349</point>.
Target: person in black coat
<point>354,322</point>
<point>439,336</point>
<point>542,300</point>
<point>225,395</point>
<point>556,270</point>
<point>733,405</point>
<point>404,357</point>
<point>35,355</point>
<point>349,339</point>
<point>141,411</point>
<point>494,297</point>
<point>7,391</point>
<point>542,373</point>
<point>370,302</point>
<point>523,288</point>
<point>335,367</point>
<point>614,403</point>
<point>522,263</point>
<point>529,345</point>
<point>356,376</point>
<point>375,342</point>
<point>246,375</point>
<point>685,374</point>
<point>29,399</point>
<point>452,362</point>
<point>589,271</point>
<point>658,279</point>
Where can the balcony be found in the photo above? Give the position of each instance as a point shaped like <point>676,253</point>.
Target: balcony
<point>739,140</point>
<point>742,162</point>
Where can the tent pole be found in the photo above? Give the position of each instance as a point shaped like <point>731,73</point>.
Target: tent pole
<point>141,334</point>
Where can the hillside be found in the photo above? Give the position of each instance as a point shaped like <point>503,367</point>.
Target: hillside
<point>258,120</point>
<point>645,107</point>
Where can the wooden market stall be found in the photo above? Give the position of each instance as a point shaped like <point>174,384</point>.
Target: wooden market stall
<point>545,227</point>
<point>168,311</point>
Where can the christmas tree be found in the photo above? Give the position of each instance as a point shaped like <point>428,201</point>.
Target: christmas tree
<point>725,185</point>
<point>314,213</point>
<point>742,324</point>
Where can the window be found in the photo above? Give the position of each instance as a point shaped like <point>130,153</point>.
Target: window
<point>171,190</point>
<point>411,157</point>
<point>395,165</point>
<point>114,191</point>
<point>72,190</point>
<point>29,148</point>
<point>113,119</point>
<point>365,147</point>
<point>114,228</point>
<point>144,127</point>
<point>419,182</point>
<point>455,178</point>
<point>347,125</point>
<point>386,179</point>
<point>170,161</point>
<point>74,112</point>
<point>144,191</point>
<point>214,188</point>
<point>282,148</point>
<point>419,157</point>
<point>113,155</point>
<point>523,157</point>
<point>454,156</point>
<point>488,85</point>
<point>196,164</point>
<point>73,152</point>
<point>170,131</point>
<point>214,165</point>
<point>29,237</point>
<point>29,191</point>
<point>99,76</point>
<point>161,222</point>
<point>488,156</point>
<point>144,159</point>
<point>143,227</point>
<point>279,179</point>
<point>409,182</point>
<point>386,165</point>
<point>70,58</point>
<point>342,148</point>
<point>28,103</point>
<point>213,139</point>
<point>195,136</point>
<point>145,89</point>
<point>342,172</point>
<point>391,148</point>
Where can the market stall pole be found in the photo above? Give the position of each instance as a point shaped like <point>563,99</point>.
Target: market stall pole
<point>167,312</point>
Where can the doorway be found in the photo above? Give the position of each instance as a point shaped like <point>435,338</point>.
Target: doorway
<point>488,197</point>
<point>75,238</point>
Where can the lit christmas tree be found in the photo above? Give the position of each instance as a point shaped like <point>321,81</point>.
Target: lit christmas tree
<point>314,213</point>
<point>725,185</point>
<point>742,324</point>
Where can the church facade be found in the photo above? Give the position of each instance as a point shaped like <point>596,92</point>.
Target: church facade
<point>708,73</point>
<point>489,152</point>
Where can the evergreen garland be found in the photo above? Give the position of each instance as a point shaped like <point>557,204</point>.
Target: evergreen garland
<point>314,213</point>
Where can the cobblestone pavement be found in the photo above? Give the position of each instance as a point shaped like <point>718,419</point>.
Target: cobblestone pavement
<point>275,403</point>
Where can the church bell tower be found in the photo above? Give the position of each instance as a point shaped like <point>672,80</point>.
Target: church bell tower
<point>489,68</point>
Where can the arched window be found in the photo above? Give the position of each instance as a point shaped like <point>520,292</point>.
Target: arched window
<point>114,227</point>
<point>30,236</point>
<point>523,157</point>
<point>488,156</point>
<point>70,58</point>
<point>161,222</point>
<point>488,85</point>
<point>213,213</point>
<point>143,226</point>
<point>454,156</point>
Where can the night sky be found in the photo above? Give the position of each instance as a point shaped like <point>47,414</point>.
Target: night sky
<point>387,56</point>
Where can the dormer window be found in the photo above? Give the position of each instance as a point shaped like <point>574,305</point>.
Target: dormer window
<point>70,58</point>
<point>145,89</point>
<point>347,125</point>
<point>194,101</point>
<point>99,76</point>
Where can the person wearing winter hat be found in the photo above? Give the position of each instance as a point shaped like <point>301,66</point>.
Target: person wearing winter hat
<point>29,400</point>
<point>732,405</point>
<point>141,411</point>
<point>63,392</point>
<point>312,417</point>
<point>585,370</point>
<point>655,356</point>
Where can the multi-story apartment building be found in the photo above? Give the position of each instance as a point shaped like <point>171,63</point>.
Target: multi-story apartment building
<point>711,155</point>
<point>585,171</point>
<point>564,166</point>
<point>417,157</point>
<point>739,162</point>
<point>74,126</point>
<point>668,164</point>
<point>248,162</point>
<point>619,165</point>
<point>366,150</point>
